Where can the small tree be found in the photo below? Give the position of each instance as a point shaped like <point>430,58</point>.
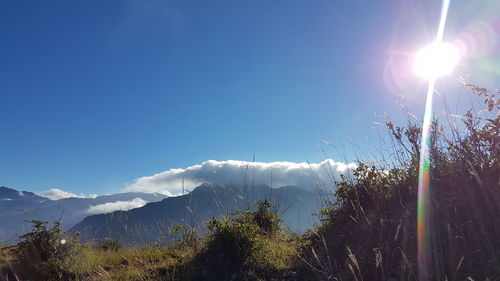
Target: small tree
<point>110,244</point>
<point>45,253</point>
<point>267,217</point>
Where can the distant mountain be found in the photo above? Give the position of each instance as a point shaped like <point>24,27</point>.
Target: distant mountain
<point>13,201</point>
<point>19,206</point>
<point>9,194</point>
<point>152,223</point>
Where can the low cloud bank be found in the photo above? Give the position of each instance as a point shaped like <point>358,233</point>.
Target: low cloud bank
<point>55,194</point>
<point>276,174</point>
<point>116,206</point>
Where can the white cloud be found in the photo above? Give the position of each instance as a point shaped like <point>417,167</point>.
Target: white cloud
<point>234,172</point>
<point>116,206</point>
<point>56,193</point>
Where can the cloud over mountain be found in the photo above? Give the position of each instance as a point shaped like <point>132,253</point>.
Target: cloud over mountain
<point>237,172</point>
<point>116,206</point>
<point>55,194</point>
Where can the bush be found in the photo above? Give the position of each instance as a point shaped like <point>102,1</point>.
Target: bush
<point>234,238</point>
<point>246,246</point>
<point>45,253</point>
<point>266,217</point>
<point>110,245</point>
<point>190,239</point>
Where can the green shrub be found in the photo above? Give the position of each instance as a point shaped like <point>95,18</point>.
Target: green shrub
<point>190,239</point>
<point>266,217</point>
<point>246,246</point>
<point>110,245</point>
<point>234,238</point>
<point>45,253</point>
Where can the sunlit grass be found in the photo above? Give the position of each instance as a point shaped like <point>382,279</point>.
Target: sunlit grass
<point>127,263</point>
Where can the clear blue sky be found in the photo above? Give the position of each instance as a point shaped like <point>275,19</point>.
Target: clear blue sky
<point>96,93</point>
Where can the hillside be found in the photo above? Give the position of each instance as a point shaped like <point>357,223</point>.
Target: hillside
<point>152,223</point>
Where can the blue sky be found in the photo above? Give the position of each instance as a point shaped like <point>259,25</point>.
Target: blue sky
<point>94,94</point>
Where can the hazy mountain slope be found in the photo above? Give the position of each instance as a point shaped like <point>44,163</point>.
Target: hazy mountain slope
<point>68,211</point>
<point>13,201</point>
<point>152,222</point>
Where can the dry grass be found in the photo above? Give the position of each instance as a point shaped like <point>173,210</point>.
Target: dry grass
<point>6,258</point>
<point>148,263</point>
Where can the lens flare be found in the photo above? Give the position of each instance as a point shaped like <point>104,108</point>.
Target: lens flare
<point>436,60</point>
<point>423,211</point>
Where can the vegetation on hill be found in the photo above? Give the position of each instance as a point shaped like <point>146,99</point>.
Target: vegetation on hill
<point>245,246</point>
<point>368,233</point>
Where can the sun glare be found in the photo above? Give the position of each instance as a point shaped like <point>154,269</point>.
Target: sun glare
<point>436,60</point>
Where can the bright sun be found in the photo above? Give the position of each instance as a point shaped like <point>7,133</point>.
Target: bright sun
<point>435,60</point>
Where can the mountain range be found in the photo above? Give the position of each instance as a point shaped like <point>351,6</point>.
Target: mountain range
<point>152,223</point>
<point>17,207</point>
<point>140,218</point>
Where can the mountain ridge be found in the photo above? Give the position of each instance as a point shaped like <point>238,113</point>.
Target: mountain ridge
<point>69,211</point>
<point>152,222</point>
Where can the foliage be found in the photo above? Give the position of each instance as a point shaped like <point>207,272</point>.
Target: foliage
<point>266,217</point>
<point>247,246</point>
<point>6,258</point>
<point>45,253</point>
<point>370,233</point>
<point>236,237</point>
<point>190,238</point>
<point>110,245</point>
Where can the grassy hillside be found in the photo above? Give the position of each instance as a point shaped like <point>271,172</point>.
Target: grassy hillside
<point>368,233</point>
<point>247,246</point>
<point>371,232</point>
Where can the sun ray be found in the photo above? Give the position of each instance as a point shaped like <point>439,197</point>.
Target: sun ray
<point>423,210</point>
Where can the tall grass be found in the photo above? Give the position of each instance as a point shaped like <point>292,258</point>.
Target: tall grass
<point>370,231</point>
